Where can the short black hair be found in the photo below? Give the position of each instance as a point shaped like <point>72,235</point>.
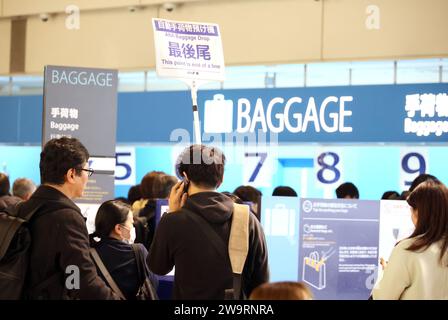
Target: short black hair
<point>60,155</point>
<point>422,178</point>
<point>284,191</point>
<point>203,165</point>
<point>347,189</point>
<point>134,193</point>
<point>4,184</point>
<point>390,195</point>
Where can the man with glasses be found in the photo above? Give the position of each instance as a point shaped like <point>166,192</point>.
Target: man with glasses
<point>60,265</point>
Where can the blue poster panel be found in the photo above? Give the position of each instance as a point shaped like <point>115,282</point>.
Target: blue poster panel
<point>338,247</point>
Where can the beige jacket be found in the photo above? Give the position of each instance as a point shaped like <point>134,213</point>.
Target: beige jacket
<point>413,275</point>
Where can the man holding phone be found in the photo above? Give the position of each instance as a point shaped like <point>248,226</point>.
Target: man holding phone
<point>201,272</point>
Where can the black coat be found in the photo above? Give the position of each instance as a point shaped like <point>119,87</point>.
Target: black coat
<point>201,273</point>
<point>60,239</point>
<point>119,259</point>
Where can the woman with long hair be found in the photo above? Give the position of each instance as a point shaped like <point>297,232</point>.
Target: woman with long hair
<point>418,265</point>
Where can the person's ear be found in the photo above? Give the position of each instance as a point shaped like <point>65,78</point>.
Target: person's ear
<point>187,180</point>
<point>220,183</point>
<point>117,229</point>
<point>70,175</point>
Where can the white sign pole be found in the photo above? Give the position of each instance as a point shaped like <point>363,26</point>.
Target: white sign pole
<point>196,121</point>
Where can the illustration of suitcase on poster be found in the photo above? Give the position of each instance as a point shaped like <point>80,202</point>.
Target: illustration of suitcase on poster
<point>314,271</point>
<point>280,221</point>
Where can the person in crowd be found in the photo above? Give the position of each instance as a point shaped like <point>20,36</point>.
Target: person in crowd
<point>147,190</point>
<point>390,195</point>
<point>134,194</point>
<point>418,266</point>
<point>422,178</point>
<point>287,290</point>
<point>163,185</point>
<point>23,188</point>
<point>347,190</point>
<point>201,272</point>
<point>284,191</point>
<point>145,221</point>
<point>144,209</point>
<point>6,199</point>
<point>114,226</point>
<point>404,195</point>
<point>58,229</point>
<point>250,194</point>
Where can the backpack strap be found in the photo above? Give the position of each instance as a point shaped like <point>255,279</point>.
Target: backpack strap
<point>106,274</point>
<point>239,237</point>
<point>138,261</point>
<point>14,219</point>
<point>238,245</point>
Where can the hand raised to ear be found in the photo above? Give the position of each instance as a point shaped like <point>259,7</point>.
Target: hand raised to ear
<point>177,197</point>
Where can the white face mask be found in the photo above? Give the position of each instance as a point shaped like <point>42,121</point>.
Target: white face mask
<point>133,235</point>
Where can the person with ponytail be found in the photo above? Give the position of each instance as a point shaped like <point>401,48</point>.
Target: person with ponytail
<point>114,227</point>
<point>418,266</point>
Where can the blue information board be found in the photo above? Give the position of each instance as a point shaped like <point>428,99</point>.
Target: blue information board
<point>338,247</point>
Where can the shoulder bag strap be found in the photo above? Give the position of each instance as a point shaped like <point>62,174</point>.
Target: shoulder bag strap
<point>106,273</point>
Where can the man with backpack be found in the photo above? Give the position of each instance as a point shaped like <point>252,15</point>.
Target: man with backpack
<point>196,235</point>
<point>59,264</point>
<point>6,199</point>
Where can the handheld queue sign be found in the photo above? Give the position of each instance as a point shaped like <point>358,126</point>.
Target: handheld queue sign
<point>191,52</point>
<point>82,103</point>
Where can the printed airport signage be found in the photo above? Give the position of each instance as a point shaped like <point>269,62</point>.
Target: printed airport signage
<point>338,247</point>
<point>82,103</point>
<point>398,113</point>
<point>188,50</point>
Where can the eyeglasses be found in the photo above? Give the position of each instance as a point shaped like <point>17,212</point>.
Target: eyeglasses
<point>90,171</point>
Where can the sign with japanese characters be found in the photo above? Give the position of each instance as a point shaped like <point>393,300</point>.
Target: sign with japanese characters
<point>82,103</point>
<point>338,247</point>
<point>188,50</point>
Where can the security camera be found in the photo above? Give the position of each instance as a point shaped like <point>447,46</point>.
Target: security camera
<point>169,6</point>
<point>44,17</point>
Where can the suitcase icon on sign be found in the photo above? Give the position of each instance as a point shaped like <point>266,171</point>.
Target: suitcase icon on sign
<point>280,221</point>
<point>218,115</point>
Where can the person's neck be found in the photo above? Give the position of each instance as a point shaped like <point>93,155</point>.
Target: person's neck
<point>193,189</point>
<point>63,189</point>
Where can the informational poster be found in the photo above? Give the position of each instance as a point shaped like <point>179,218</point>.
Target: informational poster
<point>188,50</point>
<point>280,221</point>
<point>338,247</point>
<point>82,103</point>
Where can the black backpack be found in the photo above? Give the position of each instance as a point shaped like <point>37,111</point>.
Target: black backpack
<point>15,241</point>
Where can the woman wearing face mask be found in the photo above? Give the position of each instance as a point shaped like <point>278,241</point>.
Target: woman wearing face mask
<point>114,226</point>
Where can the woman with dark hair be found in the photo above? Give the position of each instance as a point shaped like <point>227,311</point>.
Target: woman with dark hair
<point>418,265</point>
<point>121,258</point>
